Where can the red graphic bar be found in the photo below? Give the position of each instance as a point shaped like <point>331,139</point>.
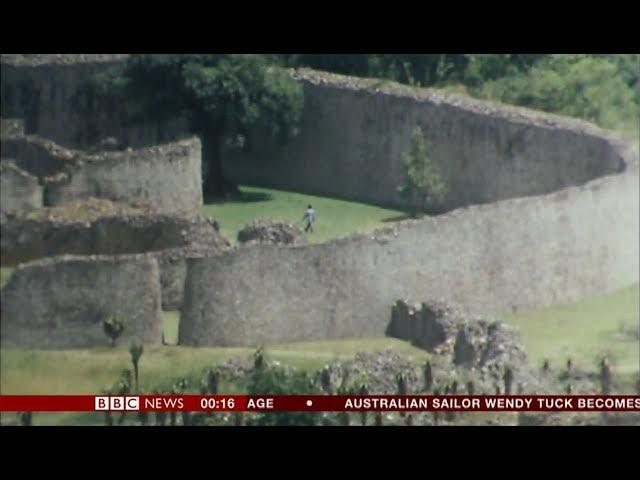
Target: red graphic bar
<point>321,403</point>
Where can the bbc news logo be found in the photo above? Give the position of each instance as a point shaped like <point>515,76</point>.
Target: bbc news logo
<point>117,403</point>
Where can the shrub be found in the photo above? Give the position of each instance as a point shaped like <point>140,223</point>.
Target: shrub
<point>423,186</point>
<point>113,327</point>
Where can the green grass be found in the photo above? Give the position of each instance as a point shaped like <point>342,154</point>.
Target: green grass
<point>584,331</point>
<point>335,218</point>
<point>5,274</point>
<point>171,323</point>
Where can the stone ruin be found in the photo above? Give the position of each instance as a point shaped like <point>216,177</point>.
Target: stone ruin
<point>536,246</point>
<point>472,342</point>
<point>273,232</point>
<point>69,297</point>
<point>18,190</point>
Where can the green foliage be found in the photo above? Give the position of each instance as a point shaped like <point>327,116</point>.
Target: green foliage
<point>276,380</point>
<point>603,88</point>
<point>423,184</point>
<point>215,92</point>
<point>576,85</point>
<point>113,327</point>
<point>136,349</point>
<point>221,96</point>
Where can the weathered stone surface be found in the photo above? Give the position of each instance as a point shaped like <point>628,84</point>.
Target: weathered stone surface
<point>18,190</point>
<point>432,326</point>
<point>31,59</point>
<point>274,232</point>
<point>166,177</point>
<point>514,254</point>
<point>11,127</point>
<point>62,302</point>
<point>173,269</point>
<point>50,92</point>
<point>355,130</point>
<point>38,156</point>
<point>482,343</point>
<point>23,239</point>
<point>353,133</point>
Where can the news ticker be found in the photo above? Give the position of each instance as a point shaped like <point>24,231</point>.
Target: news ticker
<point>321,403</point>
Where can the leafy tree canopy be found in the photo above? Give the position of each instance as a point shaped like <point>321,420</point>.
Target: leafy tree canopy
<point>220,95</point>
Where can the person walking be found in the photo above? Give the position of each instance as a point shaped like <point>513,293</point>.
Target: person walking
<point>310,218</point>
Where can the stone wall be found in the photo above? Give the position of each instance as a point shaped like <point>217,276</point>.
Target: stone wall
<point>354,132</point>
<point>49,92</point>
<point>173,270</point>
<point>62,302</point>
<point>513,254</point>
<point>166,177</point>
<point>36,155</point>
<point>18,190</point>
<point>11,127</point>
<point>23,240</point>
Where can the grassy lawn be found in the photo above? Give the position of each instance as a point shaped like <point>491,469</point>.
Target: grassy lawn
<point>335,218</point>
<point>171,323</point>
<point>5,274</point>
<point>585,331</point>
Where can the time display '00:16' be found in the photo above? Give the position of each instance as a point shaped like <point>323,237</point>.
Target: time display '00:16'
<point>217,403</point>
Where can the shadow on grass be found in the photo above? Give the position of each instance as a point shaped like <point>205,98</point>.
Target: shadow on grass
<point>397,218</point>
<point>239,197</point>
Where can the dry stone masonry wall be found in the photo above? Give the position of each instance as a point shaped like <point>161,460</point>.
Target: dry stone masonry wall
<point>354,132</point>
<point>23,240</point>
<point>166,177</point>
<point>514,254</point>
<point>530,248</point>
<point>18,190</point>
<point>37,156</point>
<point>62,302</point>
<point>49,92</point>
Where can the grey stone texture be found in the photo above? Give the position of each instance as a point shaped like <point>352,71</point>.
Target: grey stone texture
<point>166,177</point>
<point>49,91</point>
<point>431,326</point>
<point>36,155</point>
<point>62,302</point>
<point>354,132</point>
<point>11,127</point>
<point>263,230</point>
<point>513,254</point>
<point>18,190</point>
<point>173,269</point>
<point>23,240</point>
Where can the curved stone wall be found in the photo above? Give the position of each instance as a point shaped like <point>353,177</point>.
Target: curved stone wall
<point>62,302</point>
<point>165,177</point>
<point>495,258</point>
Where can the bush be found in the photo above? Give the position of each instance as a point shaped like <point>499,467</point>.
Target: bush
<point>277,381</point>
<point>113,327</point>
<point>423,186</point>
<point>575,85</point>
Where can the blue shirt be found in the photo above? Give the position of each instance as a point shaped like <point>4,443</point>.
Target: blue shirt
<point>310,215</point>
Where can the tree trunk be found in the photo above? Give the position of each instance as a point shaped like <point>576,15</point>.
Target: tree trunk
<point>214,183</point>
<point>135,371</point>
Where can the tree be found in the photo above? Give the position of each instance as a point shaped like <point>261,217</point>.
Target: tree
<point>423,186</point>
<point>113,327</point>
<point>221,96</point>
<point>135,349</point>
